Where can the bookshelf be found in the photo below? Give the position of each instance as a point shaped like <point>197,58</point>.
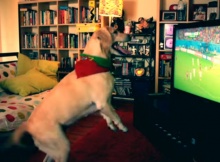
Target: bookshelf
<point>56,29</point>
<point>136,69</point>
<point>163,52</point>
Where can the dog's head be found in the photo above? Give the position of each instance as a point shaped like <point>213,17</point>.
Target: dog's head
<point>100,44</point>
<point>118,24</point>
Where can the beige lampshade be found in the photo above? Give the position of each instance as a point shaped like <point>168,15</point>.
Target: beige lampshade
<point>111,8</point>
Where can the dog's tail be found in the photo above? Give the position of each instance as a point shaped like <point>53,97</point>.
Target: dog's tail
<point>17,146</point>
<point>20,136</point>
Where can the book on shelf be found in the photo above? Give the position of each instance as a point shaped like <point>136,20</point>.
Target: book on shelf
<point>29,40</point>
<point>48,39</point>
<point>123,87</point>
<point>73,40</point>
<point>97,16</point>
<point>165,65</point>
<point>68,15</point>
<point>48,56</point>
<point>166,56</point>
<point>166,85</point>
<point>91,16</point>
<point>68,40</point>
<point>67,63</point>
<point>85,39</point>
<point>48,17</point>
<point>28,17</point>
<point>33,55</point>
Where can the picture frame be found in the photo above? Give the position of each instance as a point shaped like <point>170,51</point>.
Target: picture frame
<point>200,12</point>
<point>168,42</point>
<point>168,29</point>
<point>167,15</point>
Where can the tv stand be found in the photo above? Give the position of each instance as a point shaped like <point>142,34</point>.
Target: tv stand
<point>152,117</point>
<point>194,139</point>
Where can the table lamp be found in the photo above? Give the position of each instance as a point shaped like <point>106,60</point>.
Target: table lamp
<point>110,8</point>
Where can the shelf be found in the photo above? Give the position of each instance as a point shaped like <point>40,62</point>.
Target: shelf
<point>47,48</point>
<point>172,22</point>
<point>123,98</point>
<point>29,26</point>
<point>131,56</point>
<point>69,49</point>
<point>165,50</point>
<point>164,5</point>
<point>168,78</point>
<point>131,77</point>
<point>57,24</point>
<point>142,35</point>
<point>128,64</point>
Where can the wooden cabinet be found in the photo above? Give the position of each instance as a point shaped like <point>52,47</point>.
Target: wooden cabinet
<point>195,10</point>
<point>55,29</point>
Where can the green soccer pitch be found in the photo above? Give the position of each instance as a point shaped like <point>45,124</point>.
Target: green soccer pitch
<point>197,76</point>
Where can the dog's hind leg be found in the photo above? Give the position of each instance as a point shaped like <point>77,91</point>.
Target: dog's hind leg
<point>110,115</point>
<point>48,159</point>
<point>109,122</point>
<point>54,144</point>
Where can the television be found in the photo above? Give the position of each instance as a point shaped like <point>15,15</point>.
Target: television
<point>195,85</point>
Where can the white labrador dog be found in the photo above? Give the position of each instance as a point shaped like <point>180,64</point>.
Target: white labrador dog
<point>81,92</point>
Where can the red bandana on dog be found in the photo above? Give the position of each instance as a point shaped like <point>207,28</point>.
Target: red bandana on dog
<point>91,65</point>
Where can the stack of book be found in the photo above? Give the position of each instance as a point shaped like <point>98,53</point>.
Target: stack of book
<point>122,87</point>
<point>165,65</point>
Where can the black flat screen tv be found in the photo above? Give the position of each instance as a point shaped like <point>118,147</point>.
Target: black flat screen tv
<point>195,86</point>
<point>197,59</point>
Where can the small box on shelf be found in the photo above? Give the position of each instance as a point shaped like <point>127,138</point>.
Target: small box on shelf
<point>165,65</point>
<point>48,56</point>
<point>168,42</point>
<point>122,87</point>
<point>142,49</point>
<point>88,27</point>
<point>212,13</point>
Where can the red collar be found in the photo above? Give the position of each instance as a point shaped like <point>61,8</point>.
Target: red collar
<point>87,67</point>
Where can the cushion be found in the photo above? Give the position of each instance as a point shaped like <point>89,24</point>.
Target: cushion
<point>29,83</point>
<point>45,66</point>
<point>7,70</point>
<point>12,115</point>
<point>24,64</point>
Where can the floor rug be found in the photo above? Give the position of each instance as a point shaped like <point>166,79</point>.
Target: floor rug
<point>103,145</point>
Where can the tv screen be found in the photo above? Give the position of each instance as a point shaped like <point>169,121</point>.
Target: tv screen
<point>196,59</point>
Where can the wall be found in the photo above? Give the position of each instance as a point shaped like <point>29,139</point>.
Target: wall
<point>140,8</point>
<point>0,36</point>
<point>9,32</point>
<point>9,37</point>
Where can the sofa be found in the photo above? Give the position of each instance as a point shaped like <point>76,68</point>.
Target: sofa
<point>24,83</point>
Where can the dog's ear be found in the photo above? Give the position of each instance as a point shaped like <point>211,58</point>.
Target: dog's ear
<point>105,39</point>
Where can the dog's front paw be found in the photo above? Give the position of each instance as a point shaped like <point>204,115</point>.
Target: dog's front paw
<point>124,129</point>
<point>112,127</point>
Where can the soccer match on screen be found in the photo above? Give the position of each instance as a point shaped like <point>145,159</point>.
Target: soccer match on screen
<point>197,61</point>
